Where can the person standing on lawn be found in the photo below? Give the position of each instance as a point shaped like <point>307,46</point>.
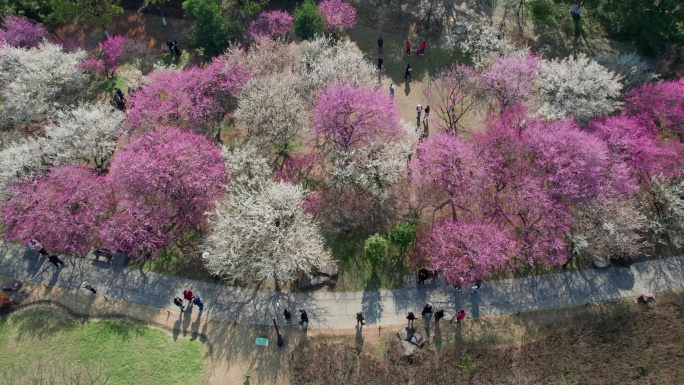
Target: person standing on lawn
<point>380,43</point>
<point>409,69</point>
<point>408,48</point>
<point>460,315</point>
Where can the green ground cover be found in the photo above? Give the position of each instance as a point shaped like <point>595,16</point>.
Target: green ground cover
<point>47,343</point>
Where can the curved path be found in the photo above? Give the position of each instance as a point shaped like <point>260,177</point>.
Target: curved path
<point>338,309</point>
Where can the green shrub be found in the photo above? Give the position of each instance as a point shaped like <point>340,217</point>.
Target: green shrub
<point>212,32</point>
<point>375,249</point>
<point>308,20</point>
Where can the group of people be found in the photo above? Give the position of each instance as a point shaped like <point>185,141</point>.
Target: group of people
<point>172,47</point>
<point>37,248</point>
<point>439,314</point>
<point>409,68</point>
<point>192,299</point>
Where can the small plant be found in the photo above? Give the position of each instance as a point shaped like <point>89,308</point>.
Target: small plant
<point>466,364</point>
<point>403,235</point>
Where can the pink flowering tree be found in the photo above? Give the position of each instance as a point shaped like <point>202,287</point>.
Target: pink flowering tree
<point>574,163</point>
<point>465,251</point>
<point>21,32</point>
<point>338,15</point>
<point>348,117</point>
<point>634,140</point>
<point>107,60</point>
<point>62,209</point>
<point>165,180</point>
<point>451,94</point>
<point>196,97</point>
<point>271,24</point>
<point>662,101</point>
<point>510,80</point>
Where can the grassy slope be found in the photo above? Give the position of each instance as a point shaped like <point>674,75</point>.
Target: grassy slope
<point>46,340</point>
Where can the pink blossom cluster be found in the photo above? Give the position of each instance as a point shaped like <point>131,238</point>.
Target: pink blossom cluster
<point>192,97</point>
<point>158,188</point>
<point>516,183</point>
<point>271,24</point>
<point>338,15</point>
<point>107,61</point>
<point>347,117</point>
<point>21,32</point>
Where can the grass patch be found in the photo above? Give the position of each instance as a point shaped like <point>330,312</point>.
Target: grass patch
<point>45,342</point>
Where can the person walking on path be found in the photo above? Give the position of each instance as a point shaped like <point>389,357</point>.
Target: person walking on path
<point>439,314</point>
<point>179,302</point>
<point>380,61</point>
<point>303,318</point>
<point>187,294</point>
<point>55,261</point>
<point>198,301</point>
<point>427,114</point>
<point>360,319</point>
<point>287,315</point>
<point>419,109</point>
<point>460,315</point>
<point>36,247</point>
<point>408,48</point>
<point>409,69</point>
<point>410,317</point>
<point>475,287</point>
<point>380,43</point>
<point>422,49</point>
<point>392,91</point>
<point>427,310</point>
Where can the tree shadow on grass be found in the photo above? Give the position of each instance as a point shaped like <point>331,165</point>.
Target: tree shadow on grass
<point>41,323</point>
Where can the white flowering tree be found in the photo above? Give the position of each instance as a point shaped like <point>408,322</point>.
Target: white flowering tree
<point>35,82</point>
<point>577,87</point>
<point>664,206</point>
<point>88,133</point>
<point>325,61</point>
<point>263,234</point>
<point>271,109</point>
<point>609,227</point>
<point>481,41</point>
<point>376,166</point>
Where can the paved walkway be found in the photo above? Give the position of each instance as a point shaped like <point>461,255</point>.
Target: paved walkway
<point>338,309</point>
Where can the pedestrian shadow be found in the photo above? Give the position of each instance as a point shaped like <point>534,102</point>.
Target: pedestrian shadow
<point>177,327</point>
<point>35,262</point>
<point>359,339</point>
<point>437,337</point>
<point>475,305</point>
<point>407,87</point>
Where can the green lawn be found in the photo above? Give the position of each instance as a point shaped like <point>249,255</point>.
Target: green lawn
<point>45,343</point>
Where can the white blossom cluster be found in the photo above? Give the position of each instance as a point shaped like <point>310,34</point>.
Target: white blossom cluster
<point>271,109</point>
<point>36,82</point>
<point>577,87</point>
<point>669,195</point>
<point>609,228</point>
<point>374,167</point>
<point>634,70</point>
<point>481,41</point>
<point>263,234</point>
<point>86,133</point>
<point>324,61</point>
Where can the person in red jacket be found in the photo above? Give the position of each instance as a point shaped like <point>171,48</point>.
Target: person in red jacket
<point>408,48</point>
<point>422,48</point>
<point>461,314</point>
<point>187,294</point>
